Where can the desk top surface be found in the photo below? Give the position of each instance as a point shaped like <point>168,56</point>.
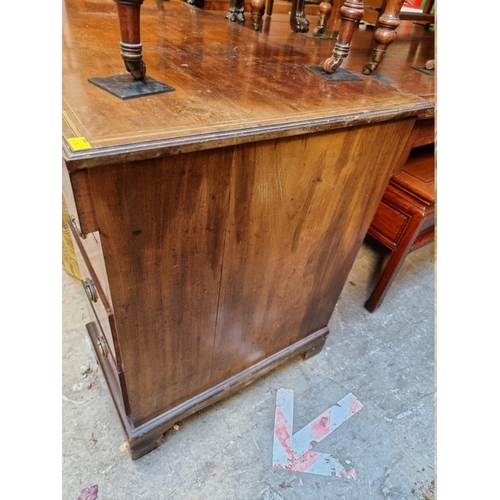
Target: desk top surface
<point>232,85</point>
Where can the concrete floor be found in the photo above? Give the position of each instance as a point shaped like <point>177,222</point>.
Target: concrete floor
<point>386,359</point>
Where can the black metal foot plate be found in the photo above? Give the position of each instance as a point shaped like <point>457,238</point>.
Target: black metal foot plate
<point>125,87</point>
<point>341,75</point>
<point>381,78</point>
<point>429,72</point>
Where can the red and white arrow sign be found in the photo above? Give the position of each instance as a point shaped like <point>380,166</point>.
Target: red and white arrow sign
<point>294,451</point>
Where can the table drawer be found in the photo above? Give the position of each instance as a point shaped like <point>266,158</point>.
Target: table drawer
<point>388,224</point>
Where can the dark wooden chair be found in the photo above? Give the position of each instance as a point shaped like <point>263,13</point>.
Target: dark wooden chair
<point>129,16</point>
<point>404,220</point>
<point>387,24</point>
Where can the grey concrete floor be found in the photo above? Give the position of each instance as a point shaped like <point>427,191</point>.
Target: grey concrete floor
<point>386,359</point>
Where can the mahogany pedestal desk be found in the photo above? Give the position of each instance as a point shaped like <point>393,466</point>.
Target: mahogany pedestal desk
<point>215,225</point>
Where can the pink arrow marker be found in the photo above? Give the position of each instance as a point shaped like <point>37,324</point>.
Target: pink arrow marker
<point>294,451</point>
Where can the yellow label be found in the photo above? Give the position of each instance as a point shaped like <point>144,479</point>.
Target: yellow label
<point>78,143</point>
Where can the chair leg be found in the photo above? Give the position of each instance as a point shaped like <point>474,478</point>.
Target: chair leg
<point>351,14</point>
<point>394,263</point>
<point>324,13</point>
<point>298,20</point>
<point>236,12</point>
<point>129,17</point>
<point>385,34</point>
<point>257,13</point>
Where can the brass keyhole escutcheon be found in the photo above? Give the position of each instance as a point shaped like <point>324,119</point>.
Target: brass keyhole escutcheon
<point>77,228</point>
<point>103,348</point>
<point>90,290</point>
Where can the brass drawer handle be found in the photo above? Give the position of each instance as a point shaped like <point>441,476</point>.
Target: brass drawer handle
<point>103,348</point>
<point>90,290</point>
<point>77,228</point>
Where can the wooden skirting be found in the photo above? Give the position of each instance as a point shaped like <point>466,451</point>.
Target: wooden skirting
<point>150,435</point>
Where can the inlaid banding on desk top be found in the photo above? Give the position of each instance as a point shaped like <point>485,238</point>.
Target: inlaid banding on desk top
<point>227,80</point>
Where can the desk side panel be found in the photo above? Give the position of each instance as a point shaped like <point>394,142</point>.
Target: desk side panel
<point>162,225</point>
<point>299,210</point>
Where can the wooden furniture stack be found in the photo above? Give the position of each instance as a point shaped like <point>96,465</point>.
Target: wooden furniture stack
<point>215,225</point>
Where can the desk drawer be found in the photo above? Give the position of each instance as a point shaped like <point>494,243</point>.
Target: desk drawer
<point>93,250</point>
<point>97,295</point>
<point>101,311</point>
<point>104,347</point>
<point>90,241</point>
<point>114,378</point>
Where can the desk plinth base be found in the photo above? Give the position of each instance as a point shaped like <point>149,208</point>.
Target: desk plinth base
<point>125,87</point>
<point>148,436</point>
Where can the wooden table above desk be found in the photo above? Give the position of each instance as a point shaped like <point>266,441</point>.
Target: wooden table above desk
<point>225,215</point>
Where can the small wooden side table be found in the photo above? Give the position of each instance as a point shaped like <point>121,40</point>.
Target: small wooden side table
<point>404,220</point>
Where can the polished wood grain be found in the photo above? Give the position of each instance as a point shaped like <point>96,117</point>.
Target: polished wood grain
<point>272,95</point>
<point>413,46</point>
<point>216,260</point>
<point>229,211</point>
<point>164,262</point>
<point>289,244</point>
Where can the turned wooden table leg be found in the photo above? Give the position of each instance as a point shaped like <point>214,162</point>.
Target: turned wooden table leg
<point>129,16</point>
<point>257,13</point>
<point>395,262</point>
<point>351,13</point>
<point>385,34</point>
<point>325,10</point>
<point>298,21</point>
<point>236,11</point>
